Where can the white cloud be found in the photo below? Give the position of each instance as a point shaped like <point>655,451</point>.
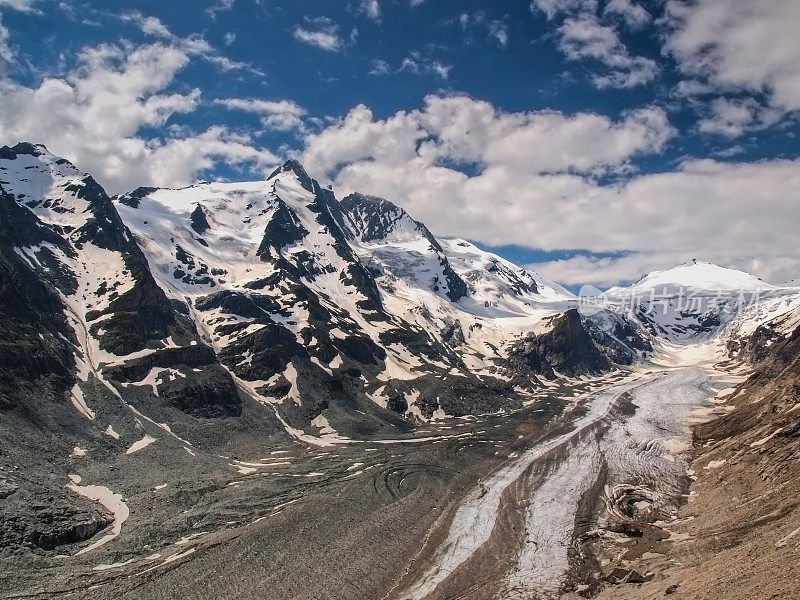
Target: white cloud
<point>633,14</point>
<point>148,25</point>
<point>464,130</point>
<point>730,118</point>
<point>283,115</point>
<point>411,64</point>
<point>358,137</point>
<point>693,87</point>
<point>585,37</point>
<point>551,8</point>
<point>20,5</point>
<point>380,67</point>
<point>323,33</point>
<point>194,44</point>
<point>94,114</point>
<point>371,9</point>
<point>468,170</point>
<point>6,53</point>
<point>220,6</point>
<point>416,64</point>
<point>320,39</point>
<point>154,26</point>
<point>605,272</point>
<point>740,44</point>
<point>499,31</point>
<point>441,70</point>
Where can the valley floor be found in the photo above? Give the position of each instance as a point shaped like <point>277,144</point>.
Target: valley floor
<point>561,499</point>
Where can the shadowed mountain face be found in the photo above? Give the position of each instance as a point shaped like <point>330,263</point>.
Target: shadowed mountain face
<point>567,349</point>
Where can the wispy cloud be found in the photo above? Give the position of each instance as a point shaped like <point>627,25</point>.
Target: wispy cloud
<point>416,63</point>
<point>370,8</point>
<point>380,67</point>
<point>20,5</point>
<point>283,115</point>
<point>499,31</point>
<point>218,7</point>
<point>634,15</point>
<point>584,37</point>
<point>194,44</point>
<point>320,32</point>
<point>495,29</point>
<point>6,53</point>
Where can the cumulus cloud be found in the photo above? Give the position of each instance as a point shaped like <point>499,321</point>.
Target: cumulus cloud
<point>740,44</point>
<point>729,117</point>
<point>584,37</point>
<point>94,115</point>
<point>283,115</point>
<point>320,32</point>
<point>463,130</point>
<point>537,179</point>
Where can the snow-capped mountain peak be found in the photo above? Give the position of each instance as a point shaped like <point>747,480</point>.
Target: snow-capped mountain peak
<point>373,219</point>
<point>697,300</point>
<point>294,166</point>
<point>699,274</point>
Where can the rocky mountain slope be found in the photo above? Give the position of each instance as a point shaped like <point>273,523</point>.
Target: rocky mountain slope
<point>738,534</point>
<point>165,337</point>
<point>232,313</point>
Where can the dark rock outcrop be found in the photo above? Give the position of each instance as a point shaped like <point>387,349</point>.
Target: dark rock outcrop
<point>198,220</point>
<point>567,349</point>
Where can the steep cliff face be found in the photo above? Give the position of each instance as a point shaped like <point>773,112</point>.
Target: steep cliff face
<point>67,237</point>
<point>36,343</point>
<point>567,349</point>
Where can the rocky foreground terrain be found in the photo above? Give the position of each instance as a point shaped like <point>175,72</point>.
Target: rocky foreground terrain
<point>256,390</point>
<point>738,534</point>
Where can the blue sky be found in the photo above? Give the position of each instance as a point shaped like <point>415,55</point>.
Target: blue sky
<point>594,140</point>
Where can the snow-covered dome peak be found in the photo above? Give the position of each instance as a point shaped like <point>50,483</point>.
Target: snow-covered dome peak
<point>700,274</point>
